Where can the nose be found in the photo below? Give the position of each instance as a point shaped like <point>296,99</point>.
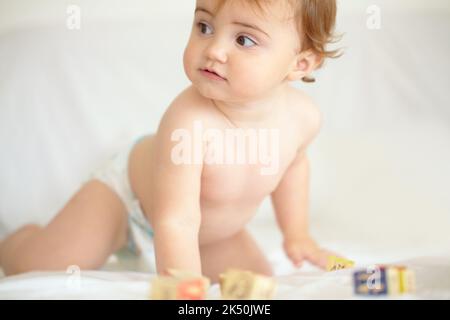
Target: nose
<point>216,51</point>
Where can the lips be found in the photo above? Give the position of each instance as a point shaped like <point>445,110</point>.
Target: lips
<point>210,73</point>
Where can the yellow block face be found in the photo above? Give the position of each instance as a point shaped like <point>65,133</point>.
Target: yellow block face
<point>245,285</point>
<point>393,281</point>
<point>163,289</point>
<point>336,263</point>
<point>401,280</point>
<point>407,281</point>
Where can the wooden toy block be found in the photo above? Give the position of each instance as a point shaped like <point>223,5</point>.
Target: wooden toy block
<point>336,263</point>
<point>384,280</point>
<point>407,280</point>
<point>364,285</point>
<point>179,285</point>
<point>246,285</point>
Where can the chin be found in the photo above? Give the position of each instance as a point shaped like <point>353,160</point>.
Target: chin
<point>209,91</point>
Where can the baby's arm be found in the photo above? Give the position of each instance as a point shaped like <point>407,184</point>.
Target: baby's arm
<point>291,200</point>
<point>174,209</point>
<point>291,204</point>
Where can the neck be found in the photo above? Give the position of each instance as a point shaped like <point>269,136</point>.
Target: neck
<point>255,112</point>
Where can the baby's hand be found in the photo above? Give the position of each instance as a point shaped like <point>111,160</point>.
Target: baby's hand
<point>305,248</point>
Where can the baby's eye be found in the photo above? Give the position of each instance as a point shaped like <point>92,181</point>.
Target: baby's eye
<point>245,41</point>
<point>204,28</point>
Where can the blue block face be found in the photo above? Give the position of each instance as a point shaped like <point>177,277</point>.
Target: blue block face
<point>371,284</point>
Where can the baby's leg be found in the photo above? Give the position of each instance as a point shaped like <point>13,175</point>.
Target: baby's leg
<point>239,251</point>
<point>91,226</point>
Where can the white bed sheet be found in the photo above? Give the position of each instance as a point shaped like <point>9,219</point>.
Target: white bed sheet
<point>115,282</point>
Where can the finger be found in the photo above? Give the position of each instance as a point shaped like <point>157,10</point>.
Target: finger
<point>322,260</point>
<point>314,259</point>
<point>324,256</point>
<point>319,259</point>
<point>296,258</point>
<point>294,253</point>
<point>298,263</point>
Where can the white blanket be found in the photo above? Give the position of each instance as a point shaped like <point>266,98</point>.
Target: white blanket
<point>432,274</point>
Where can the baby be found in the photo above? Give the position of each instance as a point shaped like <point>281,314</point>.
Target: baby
<point>239,133</point>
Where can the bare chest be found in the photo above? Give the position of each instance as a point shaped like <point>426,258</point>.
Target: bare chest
<point>247,166</point>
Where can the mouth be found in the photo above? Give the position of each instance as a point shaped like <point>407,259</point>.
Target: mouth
<point>211,74</point>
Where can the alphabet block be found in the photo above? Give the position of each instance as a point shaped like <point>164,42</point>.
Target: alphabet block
<point>179,285</point>
<point>246,285</point>
<point>336,263</point>
<point>384,280</point>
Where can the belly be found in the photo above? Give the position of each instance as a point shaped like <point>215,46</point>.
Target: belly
<point>220,223</point>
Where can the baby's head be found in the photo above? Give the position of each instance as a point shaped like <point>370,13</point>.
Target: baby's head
<point>257,45</point>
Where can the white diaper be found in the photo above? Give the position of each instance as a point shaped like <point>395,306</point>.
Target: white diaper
<point>114,173</point>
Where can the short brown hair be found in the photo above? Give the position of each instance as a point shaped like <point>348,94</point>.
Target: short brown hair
<point>315,20</point>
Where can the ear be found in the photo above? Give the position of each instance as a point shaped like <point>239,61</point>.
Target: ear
<point>303,65</point>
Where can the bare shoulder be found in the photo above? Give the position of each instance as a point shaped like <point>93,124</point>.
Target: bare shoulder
<point>307,109</point>
<point>307,113</point>
<point>187,115</point>
<point>187,107</point>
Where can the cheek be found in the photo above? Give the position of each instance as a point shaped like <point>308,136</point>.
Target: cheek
<point>189,57</point>
<point>256,75</point>
<point>186,63</point>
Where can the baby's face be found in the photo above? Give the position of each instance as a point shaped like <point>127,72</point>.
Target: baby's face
<point>252,52</point>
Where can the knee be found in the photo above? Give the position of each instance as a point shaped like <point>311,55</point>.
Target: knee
<point>28,263</point>
<point>11,248</point>
<point>26,250</point>
<point>17,265</point>
<point>12,268</point>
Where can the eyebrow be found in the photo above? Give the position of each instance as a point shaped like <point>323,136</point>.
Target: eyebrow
<point>243,24</point>
<point>251,26</point>
<point>203,10</point>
